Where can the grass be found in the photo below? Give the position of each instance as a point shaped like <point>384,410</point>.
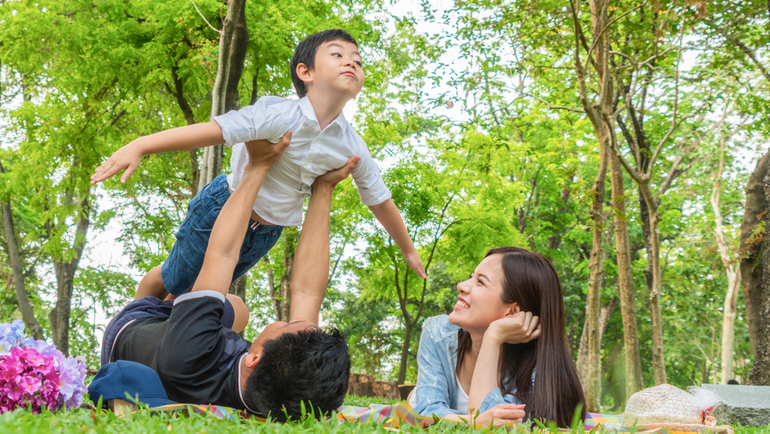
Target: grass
<point>87,421</point>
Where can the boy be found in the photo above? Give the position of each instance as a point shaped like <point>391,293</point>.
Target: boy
<point>327,72</point>
<point>200,360</point>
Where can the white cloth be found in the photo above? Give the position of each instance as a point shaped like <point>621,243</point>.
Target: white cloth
<point>462,397</point>
<point>312,153</point>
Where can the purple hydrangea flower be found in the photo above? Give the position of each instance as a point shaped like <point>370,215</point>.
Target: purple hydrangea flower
<point>11,335</point>
<point>34,373</point>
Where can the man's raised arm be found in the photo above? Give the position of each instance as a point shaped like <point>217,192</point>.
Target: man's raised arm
<point>310,271</point>
<point>233,220</point>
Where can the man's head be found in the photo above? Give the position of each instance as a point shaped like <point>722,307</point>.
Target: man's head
<point>297,362</point>
<point>328,60</point>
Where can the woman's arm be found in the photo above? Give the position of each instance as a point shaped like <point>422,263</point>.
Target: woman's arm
<point>516,328</point>
<point>432,389</point>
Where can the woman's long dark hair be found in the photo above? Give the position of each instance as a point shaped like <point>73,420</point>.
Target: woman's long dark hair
<point>531,281</point>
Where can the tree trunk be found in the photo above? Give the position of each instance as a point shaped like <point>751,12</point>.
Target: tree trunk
<point>178,93</point>
<point>754,211</point>
<point>625,280</point>
<point>658,357</point>
<point>14,256</point>
<point>760,372</point>
<point>733,274</point>
<point>65,276</point>
<point>599,113</point>
<point>281,299</point>
<point>408,326</point>
<point>233,42</point>
<point>604,318</point>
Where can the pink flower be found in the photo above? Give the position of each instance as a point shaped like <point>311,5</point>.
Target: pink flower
<point>13,391</point>
<point>35,374</point>
<point>30,384</point>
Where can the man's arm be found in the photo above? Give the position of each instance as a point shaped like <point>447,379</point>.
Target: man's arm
<point>176,139</point>
<point>311,259</point>
<point>233,220</point>
<point>388,216</point>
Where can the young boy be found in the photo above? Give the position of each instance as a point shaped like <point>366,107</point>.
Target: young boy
<point>327,72</point>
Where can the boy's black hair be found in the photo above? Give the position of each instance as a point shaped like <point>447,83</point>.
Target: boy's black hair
<point>306,50</point>
<point>310,366</point>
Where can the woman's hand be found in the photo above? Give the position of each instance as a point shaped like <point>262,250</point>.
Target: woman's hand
<point>517,328</point>
<point>500,415</point>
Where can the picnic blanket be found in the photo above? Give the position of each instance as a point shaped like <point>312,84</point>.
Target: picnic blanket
<point>394,416</point>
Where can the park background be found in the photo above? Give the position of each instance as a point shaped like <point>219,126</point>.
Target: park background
<point>617,138</point>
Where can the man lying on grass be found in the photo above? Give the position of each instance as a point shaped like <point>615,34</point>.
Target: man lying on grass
<point>200,360</point>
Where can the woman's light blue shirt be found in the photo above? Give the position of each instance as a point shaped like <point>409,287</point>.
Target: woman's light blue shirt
<point>436,389</point>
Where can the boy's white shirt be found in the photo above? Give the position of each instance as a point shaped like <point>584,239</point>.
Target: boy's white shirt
<point>312,153</point>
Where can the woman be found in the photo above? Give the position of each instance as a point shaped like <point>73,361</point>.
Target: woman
<point>503,350</point>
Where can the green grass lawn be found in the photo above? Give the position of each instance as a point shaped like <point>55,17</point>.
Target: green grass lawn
<point>87,421</point>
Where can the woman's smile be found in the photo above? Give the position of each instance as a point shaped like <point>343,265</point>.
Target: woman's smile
<point>461,304</point>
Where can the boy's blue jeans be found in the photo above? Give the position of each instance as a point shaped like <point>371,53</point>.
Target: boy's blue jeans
<point>186,258</point>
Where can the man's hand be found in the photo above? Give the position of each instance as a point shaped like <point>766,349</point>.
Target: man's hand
<point>333,177</point>
<point>264,153</point>
<point>500,415</point>
<point>517,328</point>
<point>414,262</point>
<point>126,158</point>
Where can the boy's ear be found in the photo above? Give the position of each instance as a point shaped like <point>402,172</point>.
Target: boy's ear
<point>304,74</point>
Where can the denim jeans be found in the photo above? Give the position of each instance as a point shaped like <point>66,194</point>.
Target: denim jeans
<point>183,264</point>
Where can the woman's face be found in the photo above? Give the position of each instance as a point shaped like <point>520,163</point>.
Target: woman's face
<point>479,302</point>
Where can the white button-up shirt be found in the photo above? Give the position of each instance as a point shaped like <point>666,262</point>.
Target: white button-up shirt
<point>312,153</point>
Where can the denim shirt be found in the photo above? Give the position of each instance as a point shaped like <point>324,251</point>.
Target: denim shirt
<point>436,389</point>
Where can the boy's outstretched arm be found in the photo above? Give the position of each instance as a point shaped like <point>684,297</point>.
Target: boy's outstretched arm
<point>388,216</point>
<point>233,220</point>
<point>176,139</point>
<point>310,271</point>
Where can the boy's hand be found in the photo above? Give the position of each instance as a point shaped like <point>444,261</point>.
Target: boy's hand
<point>126,158</point>
<point>414,262</point>
<point>264,153</point>
<point>333,177</point>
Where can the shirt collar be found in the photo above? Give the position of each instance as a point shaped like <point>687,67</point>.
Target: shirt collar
<point>307,110</point>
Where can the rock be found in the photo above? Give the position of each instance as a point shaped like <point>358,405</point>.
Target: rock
<point>404,390</point>
<point>385,389</point>
<point>366,385</point>
<point>746,405</point>
<point>361,389</point>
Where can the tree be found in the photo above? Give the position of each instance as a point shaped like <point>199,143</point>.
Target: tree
<point>732,267</point>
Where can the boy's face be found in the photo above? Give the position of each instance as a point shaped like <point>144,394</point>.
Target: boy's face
<point>337,70</point>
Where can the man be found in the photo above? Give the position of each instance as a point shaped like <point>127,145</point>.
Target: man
<point>200,360</point>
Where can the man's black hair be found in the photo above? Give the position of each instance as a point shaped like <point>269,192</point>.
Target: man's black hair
<point>306,50</point>
<point>310,366</point>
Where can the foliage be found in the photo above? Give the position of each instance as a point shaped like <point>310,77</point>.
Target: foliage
<point>470,107</point>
